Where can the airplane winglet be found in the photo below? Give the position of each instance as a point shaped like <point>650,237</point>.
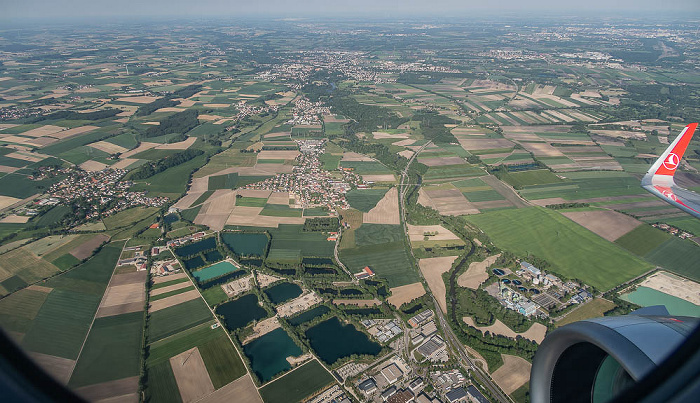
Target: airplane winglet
<point>671,158</point>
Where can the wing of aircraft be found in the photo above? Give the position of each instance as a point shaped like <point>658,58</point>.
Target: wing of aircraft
<point>659,179</point>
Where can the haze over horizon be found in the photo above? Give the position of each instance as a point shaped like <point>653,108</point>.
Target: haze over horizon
<point>75,9</point>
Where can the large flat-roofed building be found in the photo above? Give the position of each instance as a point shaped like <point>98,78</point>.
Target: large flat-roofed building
<point>476,395</point>
<point>431,346</point>
<point>420,318</point>
<point>392,373</point>
<point>456,395</point>
<point>388,393</point>
<point>368,386</point>
<point>402,396</point>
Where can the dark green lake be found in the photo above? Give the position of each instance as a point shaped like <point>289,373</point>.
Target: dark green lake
<point>239,312</point>
<point>283,292</point>
<point>268,354</point>
<point>308,315</point>
<point>332,341</point>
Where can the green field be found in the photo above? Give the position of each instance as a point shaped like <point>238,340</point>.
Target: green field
<point>61,324</point>
<point>251,201</point>
<point>330,162</point>
<point>214,296</point>
<point>453,171</point>
<point>298,384</point>
<point>222,361</point>
<point>572,250</point>
<point>679,256</point>
<point>15,185</point>
<point>112,350</point>
<point>284,256</point>
<point>92,276</point>
<point>585,185</point>
<point>161,386</point>
<point>201,199</point>
<point>228,181</point>
<point>128,217</point>
<point>219,356</point>
<point>381,247</point>
<point>528,178</point>
<point>365,199</point>
<point>642,239</point>
<point>292,237</point>
<point>19,309</point>
<point>23,264</point>
<point>366,167</point>
<point>592,309</point>
<point>173,181</point>
<point>168,321</point>
<point>280,210</point>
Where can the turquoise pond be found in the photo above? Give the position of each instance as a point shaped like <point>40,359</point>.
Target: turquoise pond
<point>268,353</point>
<point>646,296</point>
<point>212,271</point>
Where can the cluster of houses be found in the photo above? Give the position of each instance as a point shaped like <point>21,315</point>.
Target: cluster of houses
<point>244,110</point>
<point>99,189</point>
<point>165,267</point>
<point>174,243</point>
<point>311,184</point>
<point>673,230</point>
<point>306,112</point>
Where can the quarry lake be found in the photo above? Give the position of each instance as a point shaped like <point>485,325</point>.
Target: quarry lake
<point>283,292</point>
<point>268,353</point>
<point>646,296</point>
<point>332,341</point>
<point>241,311</point>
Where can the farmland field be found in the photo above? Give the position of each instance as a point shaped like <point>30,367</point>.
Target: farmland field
<point>162,386</point>
<point>381,247</point>
<point>573,251</point>
<point>592,309</point>
<point>642,239</point>
<point>527,178</point>
<point>365,199</point>
<point>62,323</point>
<point>292,237</point>
<point>251,201</point>
<point>679,256</point>
<point>173,181</point>
<point>221,359</point>
<point>128,217</point>
<point>168,321</point>
<point>112,350</point>
<point>280,210</point>
<point>298,384</point>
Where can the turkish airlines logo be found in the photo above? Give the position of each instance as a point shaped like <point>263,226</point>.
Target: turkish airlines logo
<point>671,162</point>
<point>669,194</point>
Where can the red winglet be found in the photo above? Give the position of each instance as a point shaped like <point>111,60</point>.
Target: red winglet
<point>673,159</point>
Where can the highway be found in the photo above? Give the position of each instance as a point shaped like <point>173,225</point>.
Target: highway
<point>453,342</point>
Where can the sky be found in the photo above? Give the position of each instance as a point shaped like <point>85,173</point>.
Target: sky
<point>71,9</point>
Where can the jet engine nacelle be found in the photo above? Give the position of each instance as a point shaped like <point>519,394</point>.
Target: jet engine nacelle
<point>595,360</point>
